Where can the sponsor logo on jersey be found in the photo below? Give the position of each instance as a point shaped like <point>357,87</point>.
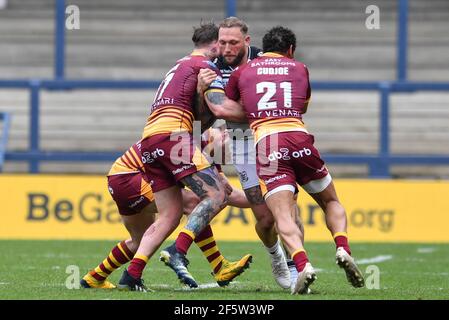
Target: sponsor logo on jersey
<point>135,203</point>
<point>149,157</point>
<point>183,168</point>
<point>284,154</point>
<point>271,180</point>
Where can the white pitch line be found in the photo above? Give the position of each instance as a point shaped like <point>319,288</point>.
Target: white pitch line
<point>201,286</point>
<point>375,259</point>
<point>426,250</point>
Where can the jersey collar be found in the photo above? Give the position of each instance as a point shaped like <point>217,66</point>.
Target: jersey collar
<point>196,53</point>
<point>272,54</point>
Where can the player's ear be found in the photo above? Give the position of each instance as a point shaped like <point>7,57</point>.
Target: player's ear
<point>247,40</point>
<point>291,52</point>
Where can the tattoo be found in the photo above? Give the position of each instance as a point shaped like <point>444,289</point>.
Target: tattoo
<point>197,181</point>
<point>200,216</point>
<point>195,186</point>
<point>201,183</point>
<point>206,177</point>
<point>254,195</point>
<point>216,97</point>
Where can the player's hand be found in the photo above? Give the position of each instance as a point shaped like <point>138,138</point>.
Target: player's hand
<point>226,184</point>
<point>205,78</point>
<point>228,188</point>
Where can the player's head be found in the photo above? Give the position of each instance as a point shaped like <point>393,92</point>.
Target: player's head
<point>281,40</point>
<point>205,37</point>
<point>233,41</point>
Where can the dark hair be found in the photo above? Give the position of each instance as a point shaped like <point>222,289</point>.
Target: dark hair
<point>278,39</point>
<point>231,22</point>
<point>206,33</point>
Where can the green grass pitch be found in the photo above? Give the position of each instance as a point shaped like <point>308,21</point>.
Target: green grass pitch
<point>37,270</point>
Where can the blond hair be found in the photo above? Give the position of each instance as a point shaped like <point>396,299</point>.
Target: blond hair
<point>232,22</point>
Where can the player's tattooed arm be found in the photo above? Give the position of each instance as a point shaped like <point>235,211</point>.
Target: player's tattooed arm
<point>254,195</point>
<point>224,108</point>
<point>220,105</point>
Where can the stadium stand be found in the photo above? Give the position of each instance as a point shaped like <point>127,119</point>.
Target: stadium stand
<point>139,39</point>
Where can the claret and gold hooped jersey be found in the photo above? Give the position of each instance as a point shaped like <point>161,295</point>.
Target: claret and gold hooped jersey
<point>129,162</point>
<point>172,108</point>
<point>275,92</point>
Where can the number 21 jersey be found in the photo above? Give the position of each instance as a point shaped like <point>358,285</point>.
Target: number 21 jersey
<point>274,91</point>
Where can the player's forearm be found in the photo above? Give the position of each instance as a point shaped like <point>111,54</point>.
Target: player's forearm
<point>224,108</point>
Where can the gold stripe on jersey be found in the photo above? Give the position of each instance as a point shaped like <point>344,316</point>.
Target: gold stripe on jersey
<point>146,191</point>
<point>264,127</point>
<point>263,187</point>
<point>136,157</point>
<point>169,119</point>
<point>129,162</point>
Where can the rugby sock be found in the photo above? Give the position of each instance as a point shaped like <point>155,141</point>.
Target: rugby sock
<point>138,263</point>
<point>341,240</point>
<point>184,240</point>
<point>275,250</point>
<point>300,259</point>
<point>206,242</point>
<point>118,256</point>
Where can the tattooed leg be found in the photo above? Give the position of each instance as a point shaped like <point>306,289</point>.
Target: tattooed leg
<point>207,186</point>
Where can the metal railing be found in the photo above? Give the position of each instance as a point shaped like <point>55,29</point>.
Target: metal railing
<point>6,119</point>
<point>379,164</point>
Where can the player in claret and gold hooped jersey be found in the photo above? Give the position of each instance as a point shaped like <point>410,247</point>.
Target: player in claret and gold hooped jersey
<point>171,158</point>
<point>274,90</point>
<point>131,191</point>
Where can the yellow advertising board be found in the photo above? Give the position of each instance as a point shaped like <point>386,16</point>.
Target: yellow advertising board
<point>80,207</point>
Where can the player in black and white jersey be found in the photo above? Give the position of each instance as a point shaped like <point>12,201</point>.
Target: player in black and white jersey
<point>235,50</point>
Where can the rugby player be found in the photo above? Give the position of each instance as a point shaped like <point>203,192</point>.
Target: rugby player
<point>129,187</point>
<point>172,160</point>
<point>274,90</point>
<point>235,51</point>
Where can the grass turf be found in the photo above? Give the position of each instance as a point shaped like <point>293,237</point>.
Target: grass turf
<point>37,270</point>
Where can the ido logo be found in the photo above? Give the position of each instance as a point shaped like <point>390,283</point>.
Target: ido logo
<point>90,208</point>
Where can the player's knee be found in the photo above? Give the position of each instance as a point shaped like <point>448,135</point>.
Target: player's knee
<point>335,208</point>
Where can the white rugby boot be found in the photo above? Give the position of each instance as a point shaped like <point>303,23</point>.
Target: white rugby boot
<point>305,278</point>
<point>353,273</point>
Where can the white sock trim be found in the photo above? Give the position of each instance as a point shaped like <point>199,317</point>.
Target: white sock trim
<point>275,249</point>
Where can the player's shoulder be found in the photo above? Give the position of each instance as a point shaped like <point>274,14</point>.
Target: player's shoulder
<point>206,63</point>
<point>254,52</point>
<point>301,65</point>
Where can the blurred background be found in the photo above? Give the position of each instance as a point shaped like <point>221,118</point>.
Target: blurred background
<point>77,98</point>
